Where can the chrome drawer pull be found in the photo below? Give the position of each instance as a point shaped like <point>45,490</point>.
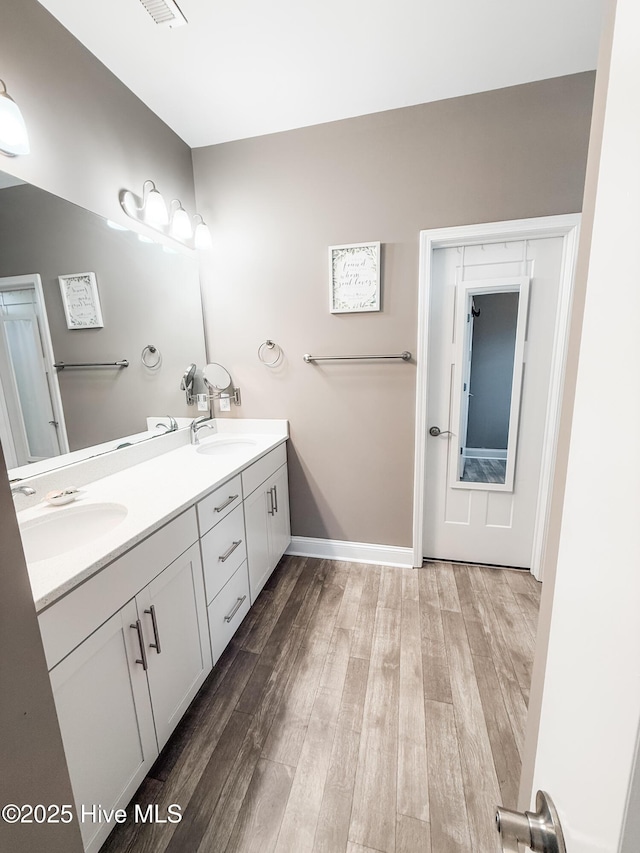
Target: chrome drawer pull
<point>271,511</point>
<point>275,497</point>
<point>138,627</point>
<point>154,623</point>
<point>228,553</point>
<point>228,501</point>
<point>237,607</point>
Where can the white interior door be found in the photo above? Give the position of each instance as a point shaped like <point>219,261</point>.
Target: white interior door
<point>26,389</point>
<point>587,746</point>
<point>494,522</point>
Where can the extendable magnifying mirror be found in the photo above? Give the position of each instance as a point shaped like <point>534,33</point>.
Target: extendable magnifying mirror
<point>219,380</point>
<point>186,383</point>
<point>217,377</point>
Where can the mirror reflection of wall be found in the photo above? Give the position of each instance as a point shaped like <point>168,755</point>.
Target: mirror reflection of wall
<point>489,366</point>
<point>494,318</point>
<point>148,296</point>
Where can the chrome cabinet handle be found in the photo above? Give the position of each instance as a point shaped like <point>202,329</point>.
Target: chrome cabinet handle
<point>229,500</point>
<point>436,431</point>
<point>236,607</point>
<point>228,553</point>
<point>138,627</point>
<point>154,622</point>
<point>275,497</point>
<point>271,511</point>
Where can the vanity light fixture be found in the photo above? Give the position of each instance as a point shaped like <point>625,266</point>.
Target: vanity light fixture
<point>14,140</point>
<point>202,235</point>
<point>175,223</point>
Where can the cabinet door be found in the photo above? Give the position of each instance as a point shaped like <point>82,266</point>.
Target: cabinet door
<point>105,717</point>
<point>257,514</point>
<point>172,610</point>
<point>280,525</point>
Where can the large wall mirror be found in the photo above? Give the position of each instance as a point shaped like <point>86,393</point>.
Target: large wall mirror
<point>148,296</point>
<point>491,319</point>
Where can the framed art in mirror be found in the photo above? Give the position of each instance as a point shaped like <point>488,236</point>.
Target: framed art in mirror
<point>81,301</point>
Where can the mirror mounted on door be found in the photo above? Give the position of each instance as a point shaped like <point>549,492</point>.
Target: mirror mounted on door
<point>490,335</point>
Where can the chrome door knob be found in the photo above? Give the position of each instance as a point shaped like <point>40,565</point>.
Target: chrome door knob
<point>540,831</point>
<point>436,431</point>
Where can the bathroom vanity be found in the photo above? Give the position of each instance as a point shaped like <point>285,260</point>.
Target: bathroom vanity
<point>135,613</point>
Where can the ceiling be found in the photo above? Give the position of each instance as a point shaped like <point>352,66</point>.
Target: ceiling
<point>244,68</point>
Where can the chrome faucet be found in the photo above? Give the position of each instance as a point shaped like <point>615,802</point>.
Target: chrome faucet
<point>23,490</point>
<point>173,424</point>
<point>200,423</point>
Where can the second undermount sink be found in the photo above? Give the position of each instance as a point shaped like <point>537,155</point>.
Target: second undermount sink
<point>68,528</point>
<point>224,446</point>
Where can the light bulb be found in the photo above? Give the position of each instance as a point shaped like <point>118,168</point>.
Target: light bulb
<point>155,208</point>
<point>13,131</point>
<point>202,235</point>
<point>180,223</point>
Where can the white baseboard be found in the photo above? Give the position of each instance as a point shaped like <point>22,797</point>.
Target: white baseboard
<point>351,552</point>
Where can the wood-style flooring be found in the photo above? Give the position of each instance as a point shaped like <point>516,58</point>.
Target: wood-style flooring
<point>484,470</point>
<point>358,709</point>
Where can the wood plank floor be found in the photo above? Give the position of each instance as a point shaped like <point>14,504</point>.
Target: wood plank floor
<point>358,708</point>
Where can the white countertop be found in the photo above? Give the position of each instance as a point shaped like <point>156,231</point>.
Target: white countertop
<point>153,492</point>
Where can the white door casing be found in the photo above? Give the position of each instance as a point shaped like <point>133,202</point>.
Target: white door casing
<point>564,227</point>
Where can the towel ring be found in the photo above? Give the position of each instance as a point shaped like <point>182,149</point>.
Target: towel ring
<point>151,357</point>
<point>270,345</point>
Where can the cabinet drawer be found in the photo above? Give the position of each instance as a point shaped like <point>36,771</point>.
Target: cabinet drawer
<point>218,504</point>
<point>221,555</point>
<point>263,468</point>
<point>227,611</point>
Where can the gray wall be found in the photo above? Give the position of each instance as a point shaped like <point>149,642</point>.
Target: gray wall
<point>147,297</point>
<point>276,203</point>
<point>31,755</point>
<point>90,137</point>
<point>494,340</point>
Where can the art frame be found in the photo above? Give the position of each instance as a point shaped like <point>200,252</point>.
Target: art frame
<point>81,301</point>
<point>354,278</point>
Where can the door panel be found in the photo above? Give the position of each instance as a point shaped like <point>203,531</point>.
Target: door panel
<point>474,523</point>
<point>177,670</point>
<point>587,741</point>
<point>103,707</point>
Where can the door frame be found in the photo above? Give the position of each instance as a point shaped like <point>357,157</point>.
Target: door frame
<point>566,226</point>
<point>34,282</point>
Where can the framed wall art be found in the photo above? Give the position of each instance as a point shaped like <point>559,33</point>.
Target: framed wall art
<point>81,301</point>
<point>354,278</point>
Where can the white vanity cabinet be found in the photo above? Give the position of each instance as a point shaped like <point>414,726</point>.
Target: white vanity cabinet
<point>266,511</point>
<point>121,691</point>
<point>128,649</point>
<point>106,721</point>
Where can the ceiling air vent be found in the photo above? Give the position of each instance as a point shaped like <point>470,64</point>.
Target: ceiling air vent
<point>165,12</point>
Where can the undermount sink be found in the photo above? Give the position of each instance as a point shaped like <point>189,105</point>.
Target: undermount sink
<point>68,528</point>
<point>224,446</point>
